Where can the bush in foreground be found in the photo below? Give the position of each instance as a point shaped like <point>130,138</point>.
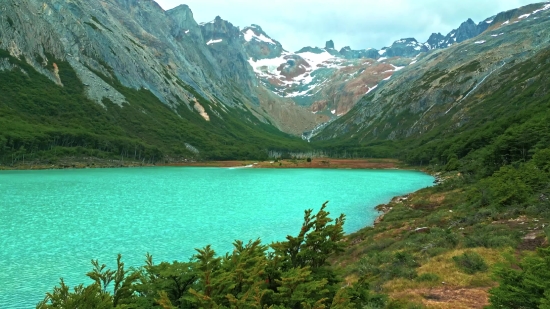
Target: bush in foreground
<point>293,274</point>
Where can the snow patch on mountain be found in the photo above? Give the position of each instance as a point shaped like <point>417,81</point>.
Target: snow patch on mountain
<point>324,59</point>
<point>371,89</point>
<point>544,8</point>
<point>249,35</point>
<point>213,41</point>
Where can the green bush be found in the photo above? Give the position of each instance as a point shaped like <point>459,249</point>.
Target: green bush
<point>491,236</point>
<point>526,287</point>
<point>470,263</point>
<point>427,277</point>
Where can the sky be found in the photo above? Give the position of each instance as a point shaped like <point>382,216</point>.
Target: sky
<point>359,24</point>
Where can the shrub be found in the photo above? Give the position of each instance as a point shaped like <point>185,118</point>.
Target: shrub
<point>427,277</point>
<point>526,287</point>
<point>308,159</point>
<point>470,263</point>
<point>491,236</point>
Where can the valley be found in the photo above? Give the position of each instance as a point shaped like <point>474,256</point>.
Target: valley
<point>114,83</point>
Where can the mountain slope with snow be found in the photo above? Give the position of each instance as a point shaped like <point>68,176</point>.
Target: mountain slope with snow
<point>330,82</point>
<point>446,87</point>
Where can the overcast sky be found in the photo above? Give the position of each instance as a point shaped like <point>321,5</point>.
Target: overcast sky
<point>356,23</point>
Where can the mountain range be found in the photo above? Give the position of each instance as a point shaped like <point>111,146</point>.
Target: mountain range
<point>182,89</point>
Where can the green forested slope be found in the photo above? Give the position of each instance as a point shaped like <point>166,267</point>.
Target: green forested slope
<point>42,121</point>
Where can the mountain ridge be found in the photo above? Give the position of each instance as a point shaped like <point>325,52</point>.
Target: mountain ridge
<point>209,72</point>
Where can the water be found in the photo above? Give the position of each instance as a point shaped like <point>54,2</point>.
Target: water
<point>52,223</point>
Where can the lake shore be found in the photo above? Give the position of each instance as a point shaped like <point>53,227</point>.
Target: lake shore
<point>301,163</point>
<point>72,163</point>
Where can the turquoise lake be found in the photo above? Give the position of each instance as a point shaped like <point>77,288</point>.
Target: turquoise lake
<point>53,222</point>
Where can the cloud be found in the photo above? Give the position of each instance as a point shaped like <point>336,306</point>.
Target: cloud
<point>357,23</point>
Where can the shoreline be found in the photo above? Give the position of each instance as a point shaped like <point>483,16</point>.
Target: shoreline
<point>323,163</point>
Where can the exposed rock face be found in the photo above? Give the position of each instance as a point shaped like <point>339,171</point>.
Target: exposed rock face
<point>309,49</point>
<point>224,42</point>
<point>436,40</point>
<point>329,44</point>
<point>408,47</point>
<point>467,30</point>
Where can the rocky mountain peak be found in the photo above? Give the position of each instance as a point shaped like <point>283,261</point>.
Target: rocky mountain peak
<point>309,49</point>
<point>435,40</point>
<point>467,30</point>
<point>259,45</point>
<point>256,27</point>
<point>181,12</point>
<point>406,47</point>
<point>183,20</point>
<point>329,44</point>
<point>219,29</point>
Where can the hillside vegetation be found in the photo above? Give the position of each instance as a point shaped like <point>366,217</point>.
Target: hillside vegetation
<point>450,246</point>
<point>43,122</point>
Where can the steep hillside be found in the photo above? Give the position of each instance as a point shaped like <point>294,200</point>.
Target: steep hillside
<point>445,90</point>
<point>110,78</point>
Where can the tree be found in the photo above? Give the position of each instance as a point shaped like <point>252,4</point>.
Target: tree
<point>527,287</point>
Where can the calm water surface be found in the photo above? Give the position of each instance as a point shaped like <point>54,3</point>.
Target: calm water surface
<point>52,223</point>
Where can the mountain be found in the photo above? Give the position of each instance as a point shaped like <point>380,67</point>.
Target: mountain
<point>329,82</point>
<point>152,79</point>
<point>446,90</point>
<point>158,82</point>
